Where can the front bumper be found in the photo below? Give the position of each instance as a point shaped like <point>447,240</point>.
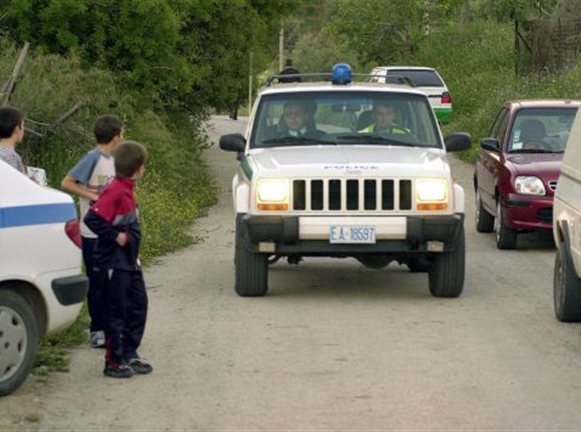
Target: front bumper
<point>524,212</point>
<point>310,235</point>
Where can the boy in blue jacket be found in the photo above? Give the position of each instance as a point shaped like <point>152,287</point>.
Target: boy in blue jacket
<point>114,218</point>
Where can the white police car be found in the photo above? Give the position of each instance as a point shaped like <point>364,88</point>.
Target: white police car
<point>41,285</point>
<point>426,79</point>
<point>346,169</point>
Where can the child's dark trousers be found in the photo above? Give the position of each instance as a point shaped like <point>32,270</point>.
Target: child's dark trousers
<point>94,296</point>
<point>125,301</point>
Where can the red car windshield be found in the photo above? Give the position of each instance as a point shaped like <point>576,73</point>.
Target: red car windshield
<point>541,130</point>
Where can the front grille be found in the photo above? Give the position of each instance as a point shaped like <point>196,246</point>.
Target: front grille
<point>545,214</point>
<point>352,195</point>
<point>553,185</point>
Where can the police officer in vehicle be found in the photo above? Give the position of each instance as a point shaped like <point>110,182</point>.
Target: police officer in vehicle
<point>384,121</point>
<point>297,121</point>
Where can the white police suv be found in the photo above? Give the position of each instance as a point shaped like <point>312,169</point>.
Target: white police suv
<point>41,285</point>
<point>345,169</point>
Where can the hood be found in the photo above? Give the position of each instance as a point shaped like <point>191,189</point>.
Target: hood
<point>544,165</point>
<point>349,161</point>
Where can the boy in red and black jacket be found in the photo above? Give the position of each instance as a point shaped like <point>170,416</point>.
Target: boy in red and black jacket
<point>114,218</point>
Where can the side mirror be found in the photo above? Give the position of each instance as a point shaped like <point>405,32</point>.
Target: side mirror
<point>490,144</point>
<point>457,141</point>
<point>233,142</point>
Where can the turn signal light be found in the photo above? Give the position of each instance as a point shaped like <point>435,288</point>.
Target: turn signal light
<point>432,206</point>
<point>272,207</point>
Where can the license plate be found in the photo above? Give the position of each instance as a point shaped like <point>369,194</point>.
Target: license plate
<point>352,234</point>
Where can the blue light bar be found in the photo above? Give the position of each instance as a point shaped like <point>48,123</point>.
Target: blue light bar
<point>341,74</point>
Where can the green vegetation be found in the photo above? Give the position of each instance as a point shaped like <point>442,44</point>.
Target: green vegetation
<point>186,55</point>
<point>470,42</point>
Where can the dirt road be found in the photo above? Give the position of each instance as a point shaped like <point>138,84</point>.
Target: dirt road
<point>334,346</point>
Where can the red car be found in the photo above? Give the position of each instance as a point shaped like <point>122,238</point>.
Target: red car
<point>518,167</point>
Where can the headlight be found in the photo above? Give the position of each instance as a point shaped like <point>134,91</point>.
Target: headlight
<point>432,194</point>
<point>529,185</point>
<point>272,194</point>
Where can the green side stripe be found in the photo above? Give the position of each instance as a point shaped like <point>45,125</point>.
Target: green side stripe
<point>444,115</point>
<point>246,168</point>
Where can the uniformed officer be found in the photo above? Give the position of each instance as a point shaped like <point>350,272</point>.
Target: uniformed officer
<point>384,121</point>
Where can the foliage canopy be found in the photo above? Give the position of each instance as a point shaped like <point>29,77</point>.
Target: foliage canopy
<point>181,55</point>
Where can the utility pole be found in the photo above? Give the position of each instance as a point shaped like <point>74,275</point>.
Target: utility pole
<point>281,46</point>
<point>249,83</point>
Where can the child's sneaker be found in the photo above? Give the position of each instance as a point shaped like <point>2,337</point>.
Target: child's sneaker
<point>97,339</point>
<point>122,370</point>
<point>140,367</point>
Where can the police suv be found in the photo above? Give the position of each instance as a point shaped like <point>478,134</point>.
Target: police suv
<point>41,285</point>
<point>340,168</point>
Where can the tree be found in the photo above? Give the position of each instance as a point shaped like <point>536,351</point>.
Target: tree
<point>508,10</point>
<point>181,55</point>
<point>378,31</point>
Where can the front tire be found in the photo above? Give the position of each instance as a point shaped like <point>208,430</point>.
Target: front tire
<point>446,276</point>
<point>484,220</point>
<point>505,237</point>
<point>251,268</point>
<point>566,288</point>
<point>18,340</point>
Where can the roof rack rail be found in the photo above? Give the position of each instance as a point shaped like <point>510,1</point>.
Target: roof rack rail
<point>289,77</point>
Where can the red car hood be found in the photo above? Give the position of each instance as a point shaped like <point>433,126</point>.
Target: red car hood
<point>547,166</point>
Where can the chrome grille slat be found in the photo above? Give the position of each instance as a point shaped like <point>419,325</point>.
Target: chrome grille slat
<point>553,185</point>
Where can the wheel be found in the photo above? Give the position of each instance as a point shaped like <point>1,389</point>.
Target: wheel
<point>273,259</point>
<point>419,265</point>
<point>505,237</point>
<point>251,268</point>
<point>446,275</point>
<point>484,220</point>
<point>18,340</point>
<point>566,288</point>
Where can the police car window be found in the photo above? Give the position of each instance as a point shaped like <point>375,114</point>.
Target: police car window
<point>343,117</point>
<point>418,78</point>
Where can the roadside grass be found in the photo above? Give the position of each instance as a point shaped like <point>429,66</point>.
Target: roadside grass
<point>175,190</point>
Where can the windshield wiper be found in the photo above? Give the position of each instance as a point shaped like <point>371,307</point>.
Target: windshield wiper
<point>300,140</point>
<point>373,139</point>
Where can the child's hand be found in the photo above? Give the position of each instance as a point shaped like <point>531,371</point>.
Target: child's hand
<point>121,239</point>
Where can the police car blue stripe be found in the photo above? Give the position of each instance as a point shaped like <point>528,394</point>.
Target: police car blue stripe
<point>41,214</point>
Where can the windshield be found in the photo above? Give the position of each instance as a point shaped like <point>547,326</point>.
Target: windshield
<point>541,130</point>
<point>344,118</point>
